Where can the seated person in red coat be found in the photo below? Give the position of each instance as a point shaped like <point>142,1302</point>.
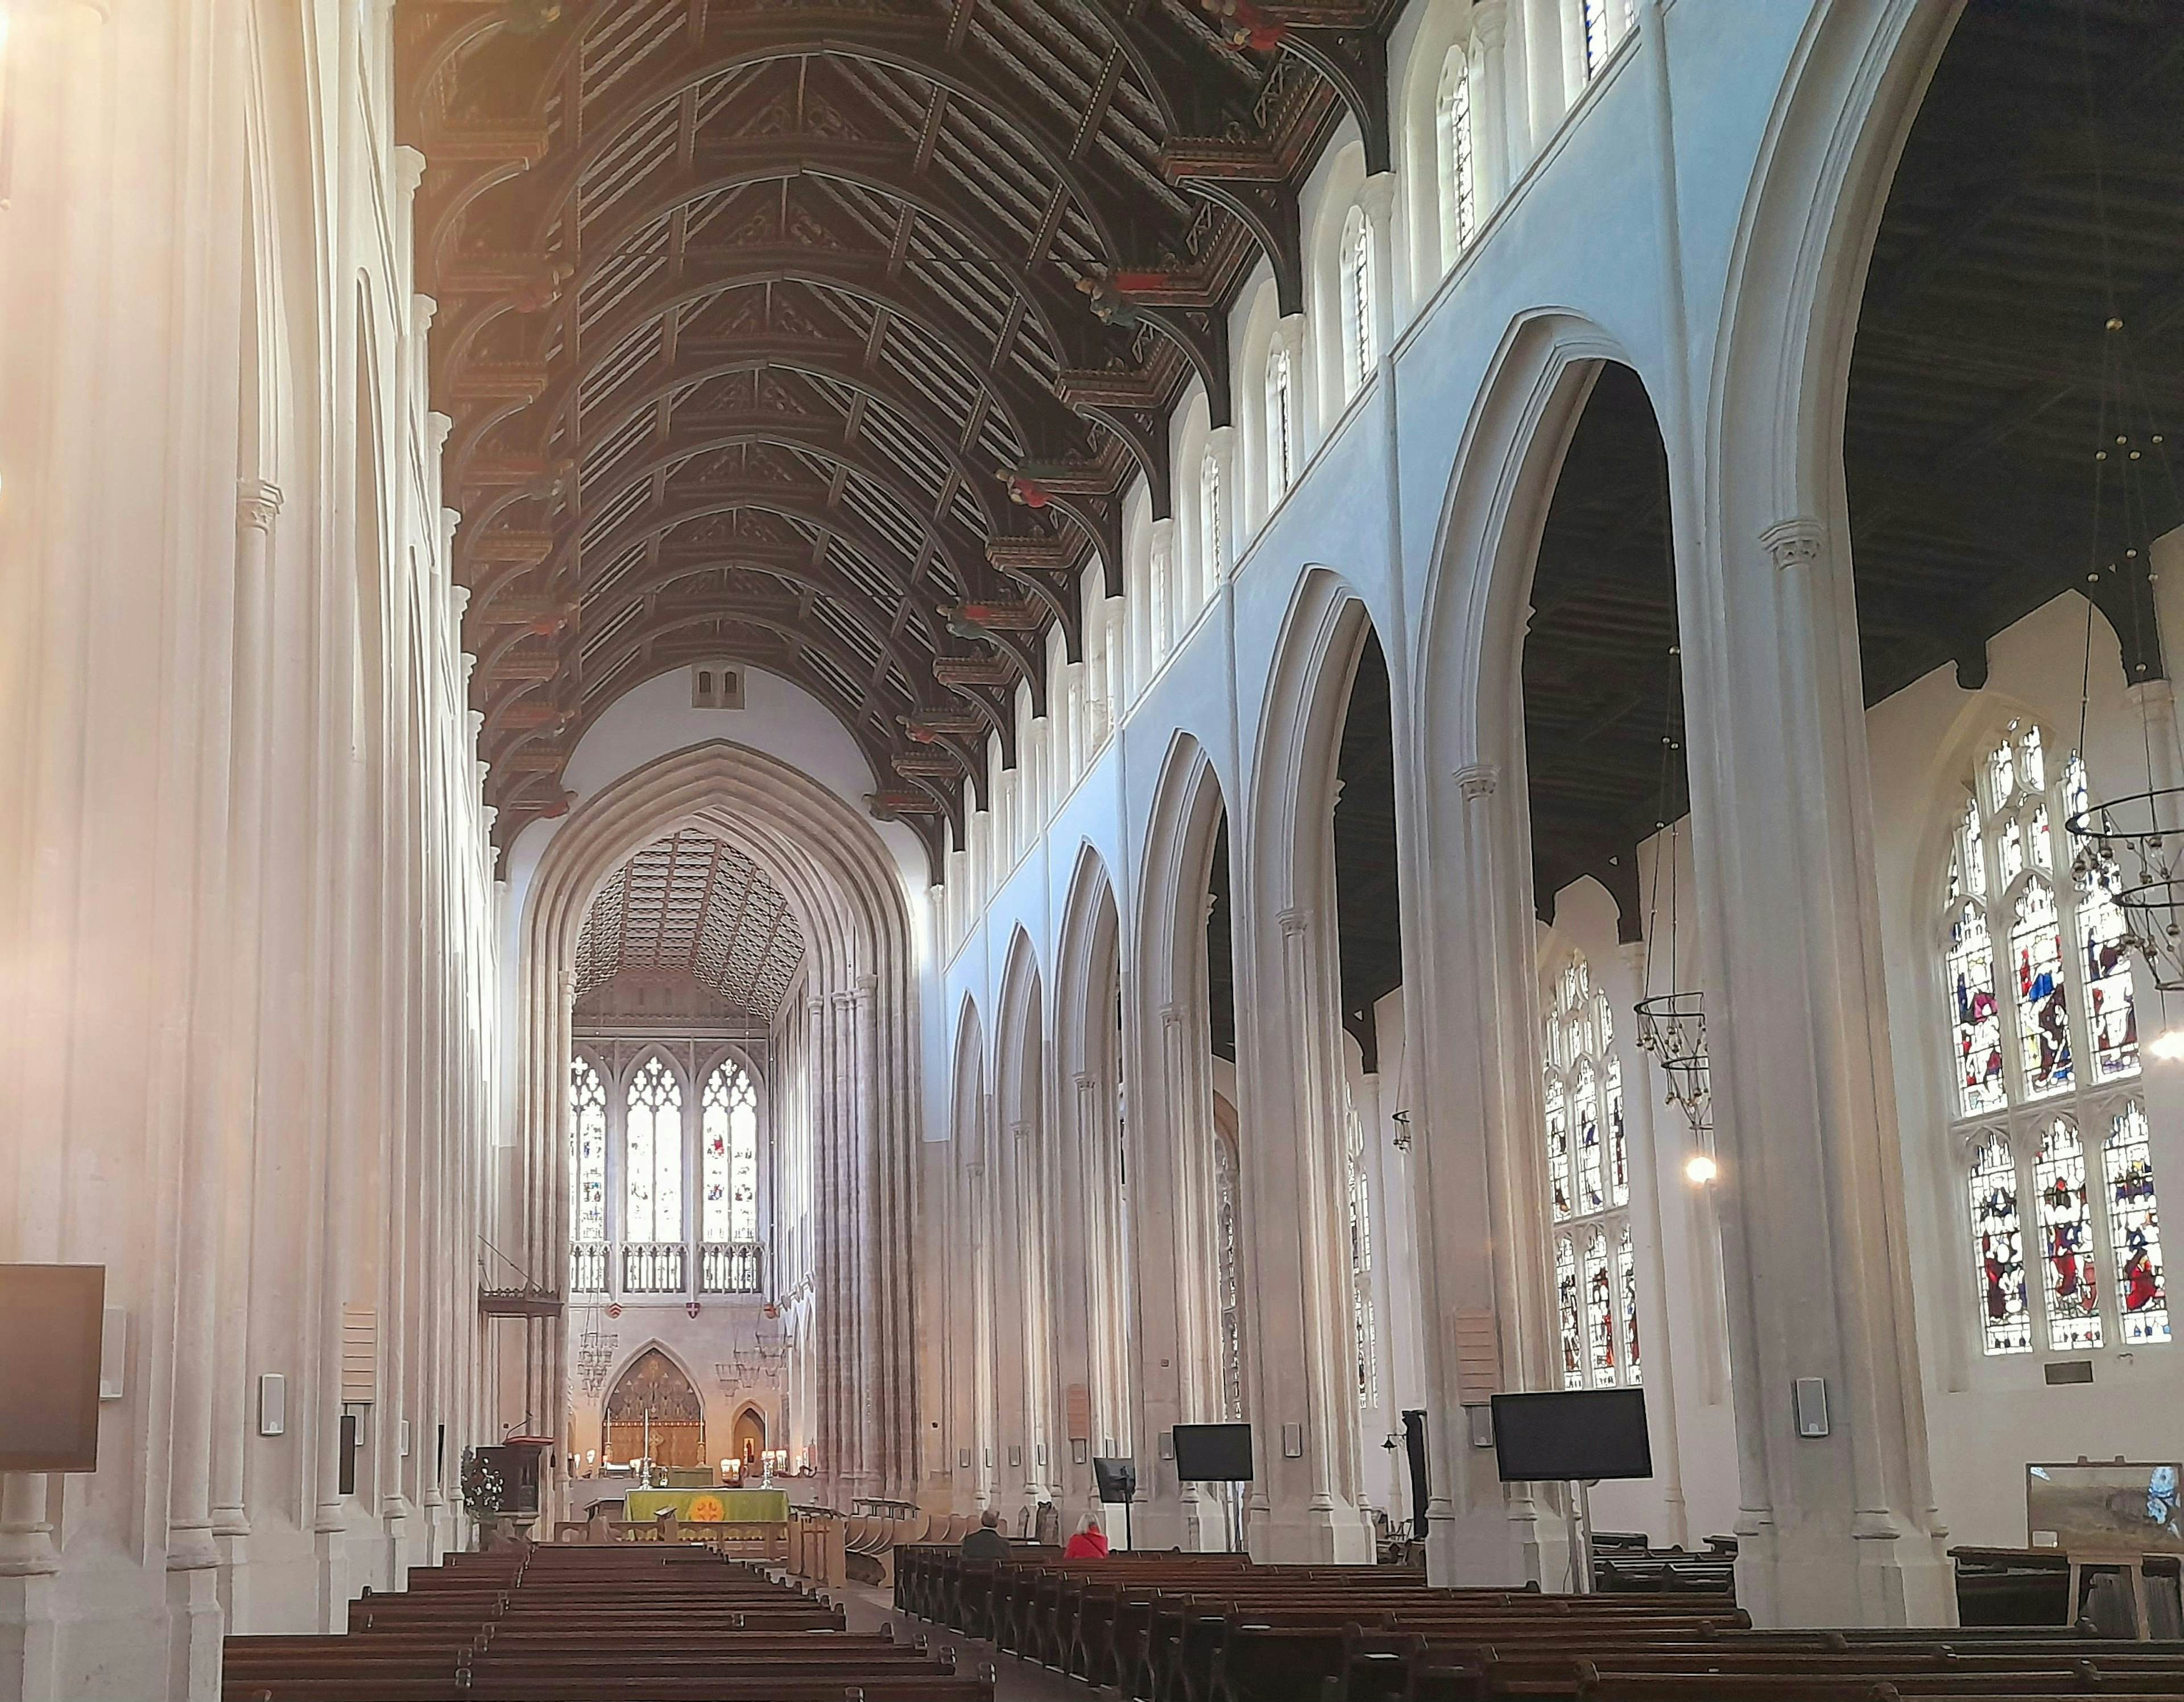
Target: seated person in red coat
<point>1089,1543</point>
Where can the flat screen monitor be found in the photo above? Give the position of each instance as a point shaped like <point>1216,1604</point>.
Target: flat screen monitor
<point>1117,1478</point>
<point>1572,1436</point>
<point>1213,1452</point>
<point>51,1322</point>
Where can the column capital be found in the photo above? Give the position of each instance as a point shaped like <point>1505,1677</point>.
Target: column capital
<point>1478,779</point>
<point>1796,542</point>
<point>1293,920</point>
<point>257,501</point>
<point>567,982</point>
<point>2150,695</point>
<point>408,169</point>
<point>1171,1016</point>
<point>423,310</point>
<point>1489,21</point>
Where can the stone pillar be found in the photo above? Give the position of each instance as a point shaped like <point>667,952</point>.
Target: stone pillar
<point>1494,145</point>
<point>1163,599</point>
<point>257,503</point>
<point>1839,1529</point>
<point>1177,1331</point>
<point>1299,1368</point>
<point>1470,1033</point>
<point>1655,1141</point>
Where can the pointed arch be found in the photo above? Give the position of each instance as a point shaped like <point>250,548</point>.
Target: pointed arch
<point>860,991</point>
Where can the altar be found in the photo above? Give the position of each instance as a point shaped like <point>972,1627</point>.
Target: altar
<point>709,1506</point>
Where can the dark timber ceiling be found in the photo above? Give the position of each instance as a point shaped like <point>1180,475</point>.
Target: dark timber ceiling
<point>2040,193</point>
<point>756,315</point>
<point>1603,686</point>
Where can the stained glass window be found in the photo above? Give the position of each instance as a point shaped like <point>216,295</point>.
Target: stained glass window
<point>1363,1329</point>
<point>652,1191</point>
<point>1626,1282</point>
<point>1281,427</point>
<point>2069,1274</point>
<point>1978,1017</point>
<point>1998,1248</point>
<point>1228,1287</point>
<point>1589,1163</point>
<point>729,1131</point>
<point>1558,1151</point>
<point>2135,1229</point>
<point>2034,1071</point>
<point>588,1150</point>
<point>1571,1314</point>
<point>1600,1309</point>
<point>2043,1015</point>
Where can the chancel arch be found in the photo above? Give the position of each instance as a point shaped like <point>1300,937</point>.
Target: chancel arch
<point>856,999</point>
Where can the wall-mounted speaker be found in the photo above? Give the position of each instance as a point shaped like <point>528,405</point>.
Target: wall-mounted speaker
<point>272,1404</point>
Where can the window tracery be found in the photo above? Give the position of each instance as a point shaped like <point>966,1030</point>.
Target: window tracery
<point>2044,1068</point>
<point>654,1146</point>
<point>1588,1155</point>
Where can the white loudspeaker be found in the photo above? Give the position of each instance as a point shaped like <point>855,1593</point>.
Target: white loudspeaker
<point>272,1404</point>
<point>113,1354</point>
<point>404,1435</point>
<point>1809,1397</point>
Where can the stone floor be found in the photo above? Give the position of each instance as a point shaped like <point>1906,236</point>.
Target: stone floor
<point>1015,1680</point>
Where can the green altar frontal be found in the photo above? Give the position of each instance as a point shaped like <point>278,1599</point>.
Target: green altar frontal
<point>709,1506</point>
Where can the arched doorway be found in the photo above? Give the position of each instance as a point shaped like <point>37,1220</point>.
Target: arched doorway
<point>653,1399</point>
<point>747,1438</point>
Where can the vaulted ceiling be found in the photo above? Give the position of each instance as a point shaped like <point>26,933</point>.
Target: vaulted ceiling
<point>692,906</point>
<point>829,337</point>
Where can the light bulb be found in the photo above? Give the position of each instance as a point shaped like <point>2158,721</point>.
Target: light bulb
<point>2168,1045</point>
<point>1699,1169</point>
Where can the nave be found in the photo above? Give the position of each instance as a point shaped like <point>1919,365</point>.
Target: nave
<point>828,765</point>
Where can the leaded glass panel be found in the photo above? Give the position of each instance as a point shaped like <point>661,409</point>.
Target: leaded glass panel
<point>1618,1144</point>
<point>588,1150</point>
<point>1998,1248</point>
<point>2110,1012</point>
<point>2043,1014</point>
<point>1626,1281</point>
<point>730,1135</point>
<point>1570,1312</point>
<point>1600,1320</point>
<point>1559,1150</point>
<point>653,1145</point>
<point>2069,1272</point>
<point>2135,1229</point>
<point>1980,1085</point>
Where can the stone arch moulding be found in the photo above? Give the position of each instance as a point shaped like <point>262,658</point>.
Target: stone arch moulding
<point>1468,962</point>
<point>860,976</point>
